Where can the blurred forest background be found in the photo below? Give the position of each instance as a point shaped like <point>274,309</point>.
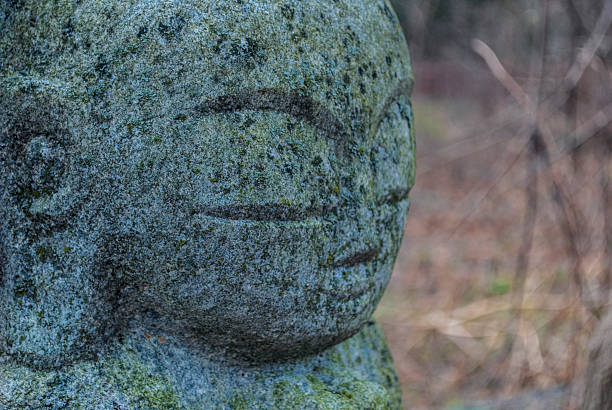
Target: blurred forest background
<point>506,263</point>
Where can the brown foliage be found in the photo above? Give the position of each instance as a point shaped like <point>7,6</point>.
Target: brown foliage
<point>506,263</point>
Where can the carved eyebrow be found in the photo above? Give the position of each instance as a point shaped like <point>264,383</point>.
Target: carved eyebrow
<point>297,105</point>
<point>273,99</point>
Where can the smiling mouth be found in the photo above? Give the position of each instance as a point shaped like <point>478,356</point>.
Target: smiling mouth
<point>346,289</point>
<point>358,258</point>
<point>288,213</point>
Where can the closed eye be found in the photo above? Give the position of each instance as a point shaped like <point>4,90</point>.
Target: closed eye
<point>298,105</point>
<point>272,99</point>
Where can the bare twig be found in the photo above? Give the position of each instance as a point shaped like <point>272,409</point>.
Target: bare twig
<point>502,75</point>
<point>591,128</point>
<point>513,161</point>
<point>531,192</point>
<point>579,28</point>
<point>537,153</point>
<point>565,209</point>
<point>578,31</point>
<point>606,201</point>
<point>512,86</point>
<point>593,44</point>
<point>570,82</point>
<point>542,139</point>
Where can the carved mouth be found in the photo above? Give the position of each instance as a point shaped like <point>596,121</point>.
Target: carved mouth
<point>358,258</point>
<point>351,287</point>
<point>352,280</point>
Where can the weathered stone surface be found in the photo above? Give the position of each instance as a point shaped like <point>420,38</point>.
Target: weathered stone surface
<point>142,372</point>
<point>232,174</point>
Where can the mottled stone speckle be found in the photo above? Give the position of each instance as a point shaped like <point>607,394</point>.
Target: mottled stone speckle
<point>231,177</point>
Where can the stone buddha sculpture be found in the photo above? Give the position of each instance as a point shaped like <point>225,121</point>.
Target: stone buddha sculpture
<point>200,202</point>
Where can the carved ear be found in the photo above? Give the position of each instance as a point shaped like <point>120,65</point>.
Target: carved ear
<point>34,145</point>
<point>55,306</point>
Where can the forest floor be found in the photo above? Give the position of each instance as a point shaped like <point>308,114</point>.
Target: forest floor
<point>463,319</point>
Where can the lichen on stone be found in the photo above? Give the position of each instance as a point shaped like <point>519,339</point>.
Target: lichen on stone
<point>229,176</point>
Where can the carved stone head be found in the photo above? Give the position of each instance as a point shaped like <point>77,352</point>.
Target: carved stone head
<point>238,169</point>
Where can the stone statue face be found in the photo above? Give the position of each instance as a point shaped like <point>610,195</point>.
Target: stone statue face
<point>241,168</point>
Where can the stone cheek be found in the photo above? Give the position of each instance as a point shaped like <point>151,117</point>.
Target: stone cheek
<point>237,171</point>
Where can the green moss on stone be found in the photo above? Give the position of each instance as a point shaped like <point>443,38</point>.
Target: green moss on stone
<point>144,387</point>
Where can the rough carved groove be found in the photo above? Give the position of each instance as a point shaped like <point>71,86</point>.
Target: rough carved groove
<point>288,102</point>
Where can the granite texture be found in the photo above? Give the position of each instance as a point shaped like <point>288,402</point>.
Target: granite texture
<point>155,371</point>
<point>232,174</point>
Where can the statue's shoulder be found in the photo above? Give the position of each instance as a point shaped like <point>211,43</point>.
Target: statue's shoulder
<point>152,371</point>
